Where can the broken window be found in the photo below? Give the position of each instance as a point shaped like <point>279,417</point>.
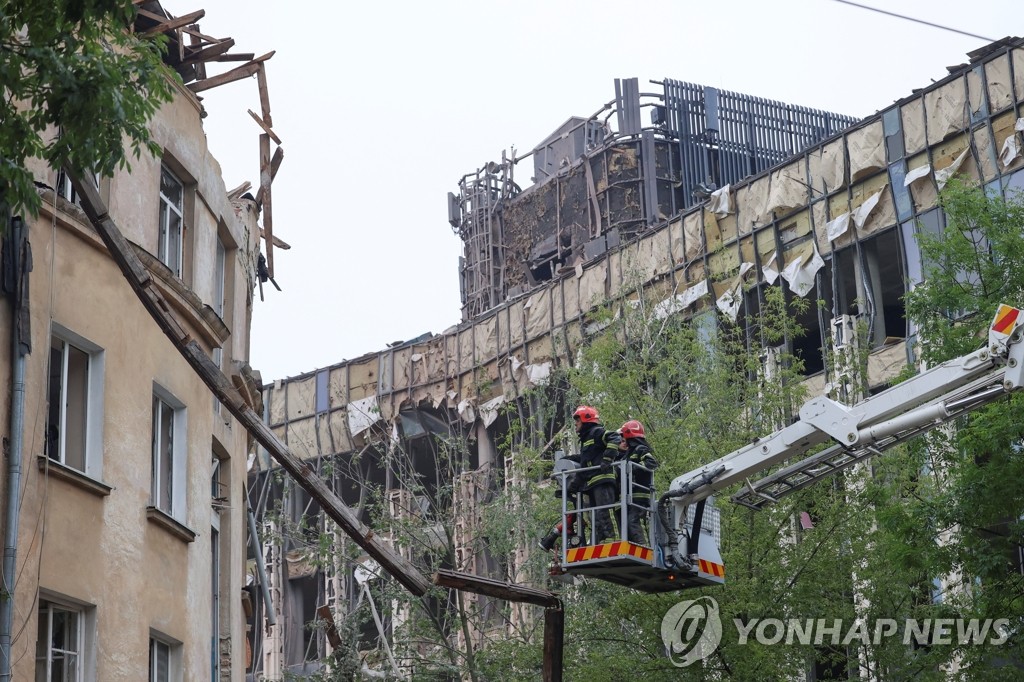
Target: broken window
<point>305,641</point>
<point>809,346</point>
<point>893,131</point>
<point>166,490</point>
<point>872,281</point>
<point>60,642</point>
<point>978,100</point>
<point>172,193</point>
<point>75,390</point>
<point>884,287</point>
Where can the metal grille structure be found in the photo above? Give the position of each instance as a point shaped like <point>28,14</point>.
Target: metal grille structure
<point>726,136</point>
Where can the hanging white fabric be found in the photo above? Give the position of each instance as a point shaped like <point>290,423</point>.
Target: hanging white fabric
<point>837,227</point>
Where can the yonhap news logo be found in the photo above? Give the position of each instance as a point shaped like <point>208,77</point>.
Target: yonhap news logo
<point>692,631</point>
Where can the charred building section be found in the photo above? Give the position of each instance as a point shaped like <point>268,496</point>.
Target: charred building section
<point>601,181</point>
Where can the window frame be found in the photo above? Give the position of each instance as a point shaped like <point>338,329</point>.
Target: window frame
<point>220,277</point>
<point>158,640</point>
<point>92,421</point>
<point>177,453</point>
<point>85,635</point>
<point>167,208</point>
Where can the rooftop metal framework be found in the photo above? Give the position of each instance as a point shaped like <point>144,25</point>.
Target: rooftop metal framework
<point>604,179</point>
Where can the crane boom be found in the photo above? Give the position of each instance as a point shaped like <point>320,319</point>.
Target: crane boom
<point>872,425</point>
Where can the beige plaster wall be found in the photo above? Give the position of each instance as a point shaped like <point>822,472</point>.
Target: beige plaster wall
<point>103,550</point>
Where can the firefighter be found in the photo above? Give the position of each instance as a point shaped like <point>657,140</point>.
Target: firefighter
<point>547,543</point>
<point>642,464</point>
<point>598,448</point>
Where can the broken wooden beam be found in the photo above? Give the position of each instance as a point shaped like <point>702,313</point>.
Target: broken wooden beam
<point>240,190</point>
<point>139,279</point>
<point>231,76</point>
<point>324,615</point>
<point>267,205</point>
<point>266,126</point>
<point>467,582</point>
<point>209,52</point>
<point>261,80</point>
<point>554,643</point>
<point>275,163</point>
<point>200,67</point>
<point>176,22</point>
<point>278,243</point>
<point>194,30</point>
<point>236,57</point>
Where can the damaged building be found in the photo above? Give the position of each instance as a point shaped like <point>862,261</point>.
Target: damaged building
<point>719,196</point>
<point>595,186</point>
<point>128,495</point>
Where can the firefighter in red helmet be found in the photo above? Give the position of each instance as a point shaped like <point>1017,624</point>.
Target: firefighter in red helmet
<point>642,464</point>
<point>598,448</point>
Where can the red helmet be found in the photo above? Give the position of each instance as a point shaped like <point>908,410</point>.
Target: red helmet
<point>632,429</point>
<point>586,414</point>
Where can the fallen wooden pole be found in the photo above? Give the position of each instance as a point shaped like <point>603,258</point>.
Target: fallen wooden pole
<point>467,582</point>
<point>554,636</point>
<point>554,616</point>
<point>141,282</point>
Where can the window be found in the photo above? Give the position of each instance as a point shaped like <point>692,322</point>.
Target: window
<point>215,603</point>
<point>892,129</point>
<point>870,280</point>
<point>164,658</point>
<point>218,359</point>
<point>171,211</point>
<point>218,548</point>
<point>74,419</point>
<point>67,191</point>
<point>220,278</point>
<point>167,493</point>
<point>323,391</point>
<point>63,643</point>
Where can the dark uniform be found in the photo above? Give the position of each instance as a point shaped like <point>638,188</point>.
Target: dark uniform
<point>638,452</point>
<point>599,447</point>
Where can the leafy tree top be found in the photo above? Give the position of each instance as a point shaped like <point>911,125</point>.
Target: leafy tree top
<point>75,67</point>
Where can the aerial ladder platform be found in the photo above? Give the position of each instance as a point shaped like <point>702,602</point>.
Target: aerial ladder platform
<point>682,546</point>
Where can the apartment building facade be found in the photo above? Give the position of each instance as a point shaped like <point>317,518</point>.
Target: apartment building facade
<point>130,501</point>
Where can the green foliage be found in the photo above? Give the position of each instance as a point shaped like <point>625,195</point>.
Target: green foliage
<point>974,265</point>
<point>944,506</point>
<point>72,66</point>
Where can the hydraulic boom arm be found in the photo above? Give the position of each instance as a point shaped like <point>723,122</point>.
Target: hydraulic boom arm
<point>868,427</point>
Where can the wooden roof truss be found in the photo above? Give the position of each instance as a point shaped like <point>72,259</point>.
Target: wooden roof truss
<point>189,53</point>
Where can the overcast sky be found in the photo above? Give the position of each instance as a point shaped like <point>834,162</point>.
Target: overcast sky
<point>383,106</point>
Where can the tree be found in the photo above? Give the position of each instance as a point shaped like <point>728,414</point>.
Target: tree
<point>702,390</point>
<point>78,88</point>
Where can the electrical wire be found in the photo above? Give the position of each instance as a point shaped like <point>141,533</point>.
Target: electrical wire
<point>919,21</point>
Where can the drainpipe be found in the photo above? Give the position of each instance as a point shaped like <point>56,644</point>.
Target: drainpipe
<point>261,571</point>
<point>18,353</point>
